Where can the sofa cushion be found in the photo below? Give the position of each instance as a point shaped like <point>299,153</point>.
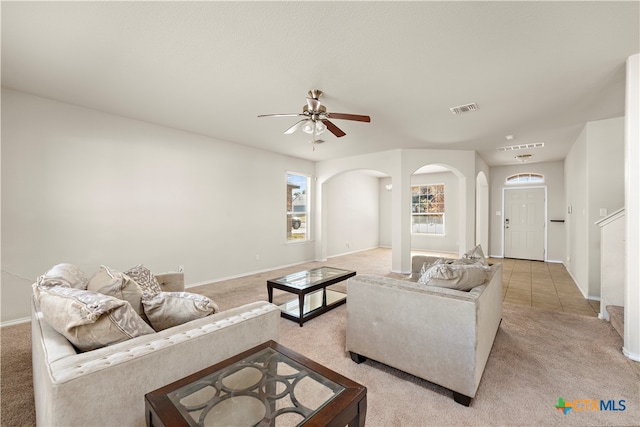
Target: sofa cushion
<point>64,274</point>
<point>110,282</point>
<point>460,277</point>
<point>89,320</point>
<point>475,255</point>
<point>167,309</point>
<point>144,278</point>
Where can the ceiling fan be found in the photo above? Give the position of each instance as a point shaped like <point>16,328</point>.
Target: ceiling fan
<point>316,118</point>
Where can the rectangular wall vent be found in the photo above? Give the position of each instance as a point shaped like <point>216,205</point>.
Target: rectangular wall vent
<point>522,146</point>
<point>464,108</point>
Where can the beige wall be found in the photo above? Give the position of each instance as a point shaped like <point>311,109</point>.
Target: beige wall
<point>89,188</point>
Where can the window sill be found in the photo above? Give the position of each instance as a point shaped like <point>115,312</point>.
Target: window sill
<point>298,242</point>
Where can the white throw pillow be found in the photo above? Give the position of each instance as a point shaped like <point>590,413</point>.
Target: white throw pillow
<point>167,309</point>
<point>89,320</point>
<point>476,254</point>
<point>460,277</point>
<point>116,284</point>
<point>64,274</point>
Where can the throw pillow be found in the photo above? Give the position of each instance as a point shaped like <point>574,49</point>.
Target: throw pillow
<point>116,284</point>
<point>476,254</point>
<point>64,274</point>
<point>144,278</point>
<point>428,265</point>
<point>167,309</point>
<point>460,277</point>
<point>90,320</point>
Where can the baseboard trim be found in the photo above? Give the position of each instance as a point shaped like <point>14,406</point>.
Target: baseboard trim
<point>632,356</point>
<point>15,322</point>
<point>248,273</point>
<point>353,252</point>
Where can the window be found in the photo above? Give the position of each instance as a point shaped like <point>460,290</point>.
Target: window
<point>297,207</point>
<point>427,209</point>
<point>525,178</point>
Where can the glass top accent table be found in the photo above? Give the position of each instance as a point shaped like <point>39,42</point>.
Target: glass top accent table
<point>313,296</point>
<point>268,385</point>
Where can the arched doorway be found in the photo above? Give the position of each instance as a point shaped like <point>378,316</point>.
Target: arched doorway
<point>436,215</point>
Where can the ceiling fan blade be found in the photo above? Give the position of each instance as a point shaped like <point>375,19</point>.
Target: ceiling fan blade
<point>281,115</point>
<point>333,128</point>
<point>295,127</point>
<point>355,117</point>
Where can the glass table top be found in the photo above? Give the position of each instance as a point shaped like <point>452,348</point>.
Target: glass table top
<point>307,278</point>
<point>264,389</point>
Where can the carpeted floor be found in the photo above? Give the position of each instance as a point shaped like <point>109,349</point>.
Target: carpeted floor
<point>538,357</point>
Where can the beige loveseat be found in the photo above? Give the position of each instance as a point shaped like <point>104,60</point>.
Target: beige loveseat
<point>106,386</point>
<point>441,335</point>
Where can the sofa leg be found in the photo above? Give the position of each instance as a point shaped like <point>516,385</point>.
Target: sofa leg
<point>461,398</point>
<point>357,357</point>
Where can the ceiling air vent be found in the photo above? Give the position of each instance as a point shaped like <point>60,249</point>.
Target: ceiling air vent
<point>521,146</point>
<point>464,108</point>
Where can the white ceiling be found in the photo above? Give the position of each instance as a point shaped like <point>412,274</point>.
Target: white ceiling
<point>537,70</point>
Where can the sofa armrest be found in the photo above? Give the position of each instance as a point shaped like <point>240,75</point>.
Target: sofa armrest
<point>116,378</point>
<point>171,282</point>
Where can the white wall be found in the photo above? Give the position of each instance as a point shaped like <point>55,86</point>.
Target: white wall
<point>577,257</point>
<point>450,241</point>
<point>89,188</point>
<point>352,213</point>
<point>632,210</point>
<point>606,185</point>
<point>483,172</point>
<point>594,171</point>
<point>384,212</point>
<point>554,181</point>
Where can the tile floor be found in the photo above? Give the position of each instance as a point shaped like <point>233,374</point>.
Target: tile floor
<point>543,285</point>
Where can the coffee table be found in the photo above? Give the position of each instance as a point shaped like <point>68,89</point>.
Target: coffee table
<point>313,296</point>
<point>268,385</point>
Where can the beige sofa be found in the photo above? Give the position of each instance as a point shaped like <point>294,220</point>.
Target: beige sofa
<point>106,387</point>
<point>441,335</point>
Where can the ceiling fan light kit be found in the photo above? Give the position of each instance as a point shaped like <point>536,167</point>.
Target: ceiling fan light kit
<point>316,118</point>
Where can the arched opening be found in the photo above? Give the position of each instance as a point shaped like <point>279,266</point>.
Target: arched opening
<point>437,193</point>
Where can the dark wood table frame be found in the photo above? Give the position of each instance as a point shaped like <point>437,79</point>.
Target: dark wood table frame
<point>347,408</point>
<point>273,284</point>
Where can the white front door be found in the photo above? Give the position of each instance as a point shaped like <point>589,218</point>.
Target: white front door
<point>524,223</point>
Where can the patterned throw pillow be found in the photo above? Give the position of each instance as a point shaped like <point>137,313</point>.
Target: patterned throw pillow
<point>145,279</point>
<point>64,275</point>
<point>89,320</point>
<point>110,282</point>
<point>167,309</point>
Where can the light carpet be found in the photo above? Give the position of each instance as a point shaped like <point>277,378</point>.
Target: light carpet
<point>538,356</point>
